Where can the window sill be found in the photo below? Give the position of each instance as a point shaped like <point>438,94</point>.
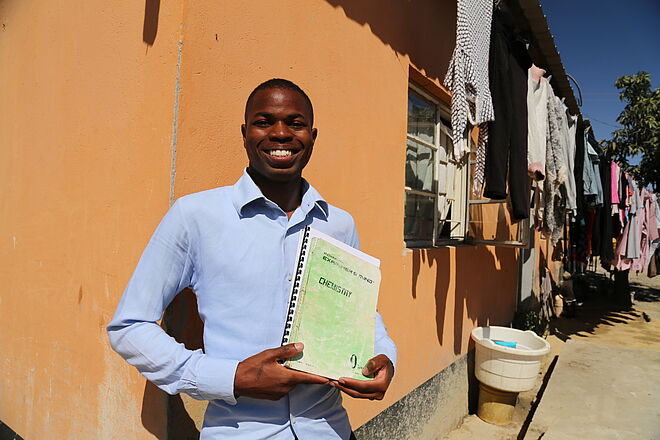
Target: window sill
<point>444,243</point>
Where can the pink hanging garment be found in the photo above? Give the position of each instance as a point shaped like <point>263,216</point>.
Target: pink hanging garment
<point>615,182</point>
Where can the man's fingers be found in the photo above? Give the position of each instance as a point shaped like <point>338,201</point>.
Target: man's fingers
<point>363,386</point>
<point>302,377</point>
<point>357,394</point>
<point>285,351</point>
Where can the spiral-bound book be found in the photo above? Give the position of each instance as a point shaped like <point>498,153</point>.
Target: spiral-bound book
<point>332,308</point>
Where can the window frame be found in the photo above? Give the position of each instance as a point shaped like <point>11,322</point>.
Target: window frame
<point>462,197</point>
<point>443,113</point>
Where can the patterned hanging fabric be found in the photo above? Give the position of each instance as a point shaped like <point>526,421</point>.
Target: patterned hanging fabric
<point>467,79</point>
<point>556,174</point>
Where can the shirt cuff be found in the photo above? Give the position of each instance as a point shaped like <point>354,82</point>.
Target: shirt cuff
<point>390,355</point>
<point>215,379</point>
<point>388,350</point>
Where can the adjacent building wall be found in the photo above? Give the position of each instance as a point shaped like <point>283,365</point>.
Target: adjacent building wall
<point>108,111</point>
<point>85,131</point>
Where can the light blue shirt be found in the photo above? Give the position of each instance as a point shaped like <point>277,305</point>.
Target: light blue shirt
<point>236,250</point>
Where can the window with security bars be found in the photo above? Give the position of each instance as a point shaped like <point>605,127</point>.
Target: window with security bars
<point>440,209</point>
<point>435,202</point>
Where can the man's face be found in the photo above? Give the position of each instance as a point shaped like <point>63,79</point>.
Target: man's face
<point>278,134</point>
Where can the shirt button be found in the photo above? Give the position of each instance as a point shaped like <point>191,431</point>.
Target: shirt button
<point>293,420</point>
<point>289,278</point>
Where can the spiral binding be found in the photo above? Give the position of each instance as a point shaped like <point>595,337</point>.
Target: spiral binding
<point>296,288</point>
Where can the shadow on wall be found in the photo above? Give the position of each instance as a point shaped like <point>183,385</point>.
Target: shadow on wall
<point>182,322</point>
<point>150,26</point>
<point>423,30</point>
<point>484,288</point>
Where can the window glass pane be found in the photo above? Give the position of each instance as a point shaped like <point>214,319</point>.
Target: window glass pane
<point>421,117</point>
<point>445,226</point>
<point>451,180</point>
<point>442,178</point>
<point>411,164</point>
<point>419,217</point>
<point>420,166</point>
<point>444,147</point>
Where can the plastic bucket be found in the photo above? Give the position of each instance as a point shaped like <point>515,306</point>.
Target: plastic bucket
<point>511,368</point>
<point>496,406</point>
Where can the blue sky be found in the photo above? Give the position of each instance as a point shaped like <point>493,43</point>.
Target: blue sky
<point>598,42</point>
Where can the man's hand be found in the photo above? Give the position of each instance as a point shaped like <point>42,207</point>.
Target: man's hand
<point>262,377</point>
<point>374,389</point>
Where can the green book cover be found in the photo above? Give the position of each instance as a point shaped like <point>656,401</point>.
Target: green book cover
<point>333,308</point>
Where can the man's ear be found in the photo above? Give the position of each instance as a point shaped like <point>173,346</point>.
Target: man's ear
<point>243,131</point>
<point>314,133</point>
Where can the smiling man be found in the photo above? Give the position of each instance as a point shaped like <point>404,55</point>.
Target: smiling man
<point>235,247</point>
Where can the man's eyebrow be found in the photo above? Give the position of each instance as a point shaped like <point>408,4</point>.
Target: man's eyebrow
<point>270,115</point>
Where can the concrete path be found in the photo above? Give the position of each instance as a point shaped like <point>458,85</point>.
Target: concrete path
<point>601,379</point>
<point>600,391</point>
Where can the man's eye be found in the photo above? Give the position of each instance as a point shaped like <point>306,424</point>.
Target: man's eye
<point>261,123</point>
<point>297,124</point>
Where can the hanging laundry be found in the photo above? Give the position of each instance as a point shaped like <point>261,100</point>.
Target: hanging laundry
<point>603,227</point>
<point>578,165</point>
<point>593,189</point>
<point>566,126</point>
<point>633,247</point>
<point>629,245</point>
<point>623,196</point>
<point>649,232</point>
<point>654,256</point>
<point>537,122</point>
<point>506,150</point>
<point>556,168</point>
<point>652,271</point>
<point>578,223</point>
<point>614,172</point>
<point>467,76</point>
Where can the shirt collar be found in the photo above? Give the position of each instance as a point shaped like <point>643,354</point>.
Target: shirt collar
<point>246,192</point>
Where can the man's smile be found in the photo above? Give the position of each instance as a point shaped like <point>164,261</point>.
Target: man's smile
<point>281,156</point>
<point>280,152</point>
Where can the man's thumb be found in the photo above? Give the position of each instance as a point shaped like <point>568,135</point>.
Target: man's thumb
<point>288,351</point>
<point>369,368</point>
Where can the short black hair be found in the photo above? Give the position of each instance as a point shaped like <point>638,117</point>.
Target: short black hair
<point>279,83</point>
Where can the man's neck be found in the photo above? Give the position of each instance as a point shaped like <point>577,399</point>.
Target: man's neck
<point>287,195</point>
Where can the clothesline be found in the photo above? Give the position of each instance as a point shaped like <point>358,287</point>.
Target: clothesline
<point>532,149</point>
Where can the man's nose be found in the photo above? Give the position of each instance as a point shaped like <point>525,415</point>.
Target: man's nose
<point>280,132</point>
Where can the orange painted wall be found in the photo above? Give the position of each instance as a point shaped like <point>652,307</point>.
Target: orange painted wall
<point>86,132</point>
<point>85,126</point>
<point>354,63</point>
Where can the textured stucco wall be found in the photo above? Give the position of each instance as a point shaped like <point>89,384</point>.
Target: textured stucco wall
<point>354,61</point>
<point>85,130</point>
<point>95,99</point>
<point>432,409</point>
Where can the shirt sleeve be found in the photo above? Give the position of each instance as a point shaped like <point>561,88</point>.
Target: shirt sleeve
<point>165,269</point>
<point>383,344</point>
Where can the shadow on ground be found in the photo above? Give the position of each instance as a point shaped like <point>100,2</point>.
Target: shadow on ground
<point>598,306</point>
<point>645,293</point>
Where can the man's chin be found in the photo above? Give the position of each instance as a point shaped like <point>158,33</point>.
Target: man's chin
<point>276,175</point>
<point>284,176</point>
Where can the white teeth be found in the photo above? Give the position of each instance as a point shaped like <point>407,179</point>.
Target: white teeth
<point>280,153</point>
